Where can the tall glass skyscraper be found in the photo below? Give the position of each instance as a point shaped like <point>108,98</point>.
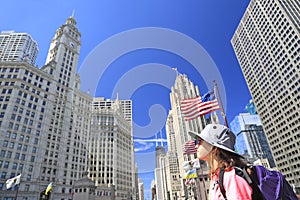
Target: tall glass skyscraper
<point>251,140</point>
<point>266,43</point>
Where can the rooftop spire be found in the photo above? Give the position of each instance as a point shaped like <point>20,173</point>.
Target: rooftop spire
<point>73,13</point>
<point>71,19</point>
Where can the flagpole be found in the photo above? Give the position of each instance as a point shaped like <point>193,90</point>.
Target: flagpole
<point>16,197</point>
<point>203,181</point>
<point>175,69</point>
<point>221,104</point>
<point>18,185</point>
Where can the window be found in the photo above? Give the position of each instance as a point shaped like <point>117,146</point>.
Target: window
<point>15,165</point>
<point>16,127</point>
<point>6,164</point>
<point>23,157</point>
<point>3,175</point>
<point>11,145</point>
<point>5,143</point>
<point>8,134</point>
<point>8,154</point>
<point>2,153</point>
<point>19,146</point>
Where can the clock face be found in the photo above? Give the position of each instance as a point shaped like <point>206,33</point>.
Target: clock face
<point>72,44</point>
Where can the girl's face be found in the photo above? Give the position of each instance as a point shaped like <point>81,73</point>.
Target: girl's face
<point>203,149</point>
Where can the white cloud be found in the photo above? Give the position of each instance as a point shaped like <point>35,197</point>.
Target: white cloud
<point>146,144</point>
<point>150,140</point>
<point>143,147</point>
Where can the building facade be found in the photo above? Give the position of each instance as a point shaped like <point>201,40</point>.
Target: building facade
<point>17,47</point>
<point>45,120</point>
<point>266,43</point>
<point>111,147</point>
<point>161,173</point>
<point>177,131</point>
<point>141,189</point>
<point>172,171</point>
<point>251,141</point>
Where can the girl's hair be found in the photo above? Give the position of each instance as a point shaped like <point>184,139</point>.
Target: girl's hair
<point>228,159</point>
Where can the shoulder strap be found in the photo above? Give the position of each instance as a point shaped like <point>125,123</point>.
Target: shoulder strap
<point>252,181</point>
<point>221,177</point>
<point>256,194</point>
<point>241,172</point>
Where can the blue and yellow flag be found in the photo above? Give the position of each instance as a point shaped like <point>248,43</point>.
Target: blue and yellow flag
<point>49,188</point>
<point>191,174</point>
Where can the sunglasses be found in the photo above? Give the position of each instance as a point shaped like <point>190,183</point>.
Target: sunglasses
<point>198,142</point>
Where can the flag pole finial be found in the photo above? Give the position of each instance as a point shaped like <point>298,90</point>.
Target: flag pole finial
<point>175,69</point>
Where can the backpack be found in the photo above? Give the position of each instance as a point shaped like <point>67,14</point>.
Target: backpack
<point>266,184</point>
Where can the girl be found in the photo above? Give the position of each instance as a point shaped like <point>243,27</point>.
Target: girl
<point>215,145</point>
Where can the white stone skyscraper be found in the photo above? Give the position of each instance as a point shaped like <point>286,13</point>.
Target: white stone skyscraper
<point>177,126</point>
<point>141,189</point>
<point>17,47</point>
<point>111,148</point>
<point>172,167</point>
<point>44,121</point>
<point>266,43</point>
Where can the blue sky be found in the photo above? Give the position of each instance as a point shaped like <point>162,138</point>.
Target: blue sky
<point>142,72</point>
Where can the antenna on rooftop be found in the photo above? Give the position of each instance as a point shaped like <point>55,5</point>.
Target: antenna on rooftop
<point>156,141</point>
<point>161,139</point>
<point>73,13</point>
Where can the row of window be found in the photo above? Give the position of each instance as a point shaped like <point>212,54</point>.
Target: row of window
<point>10,70</point>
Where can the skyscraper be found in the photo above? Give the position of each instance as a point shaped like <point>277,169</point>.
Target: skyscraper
<point>111,147</point>
<point>266,43</point>
<point>172,170</point>
<point>251,141</point>
<point>45,120</point>
<point>160,173</point>
<point>141,189</point>
<point>177,128</point>
<point>17,47</point>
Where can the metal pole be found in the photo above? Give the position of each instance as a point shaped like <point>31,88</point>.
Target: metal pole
<point>203,181</point>
<point>221,104</point>
<point>198,184</point>
<point>17,192</point>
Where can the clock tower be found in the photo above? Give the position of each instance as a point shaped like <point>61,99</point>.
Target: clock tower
<point>64,52</point>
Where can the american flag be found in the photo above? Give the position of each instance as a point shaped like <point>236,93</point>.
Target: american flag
<point>189,147</point>
<point>195,107</point>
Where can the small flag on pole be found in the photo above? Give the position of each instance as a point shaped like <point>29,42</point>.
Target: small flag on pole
<point>13,181</point>
<point>195,107</point>
<point>189,147</point>
<point>191,174</point>
<point>49,188</point>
